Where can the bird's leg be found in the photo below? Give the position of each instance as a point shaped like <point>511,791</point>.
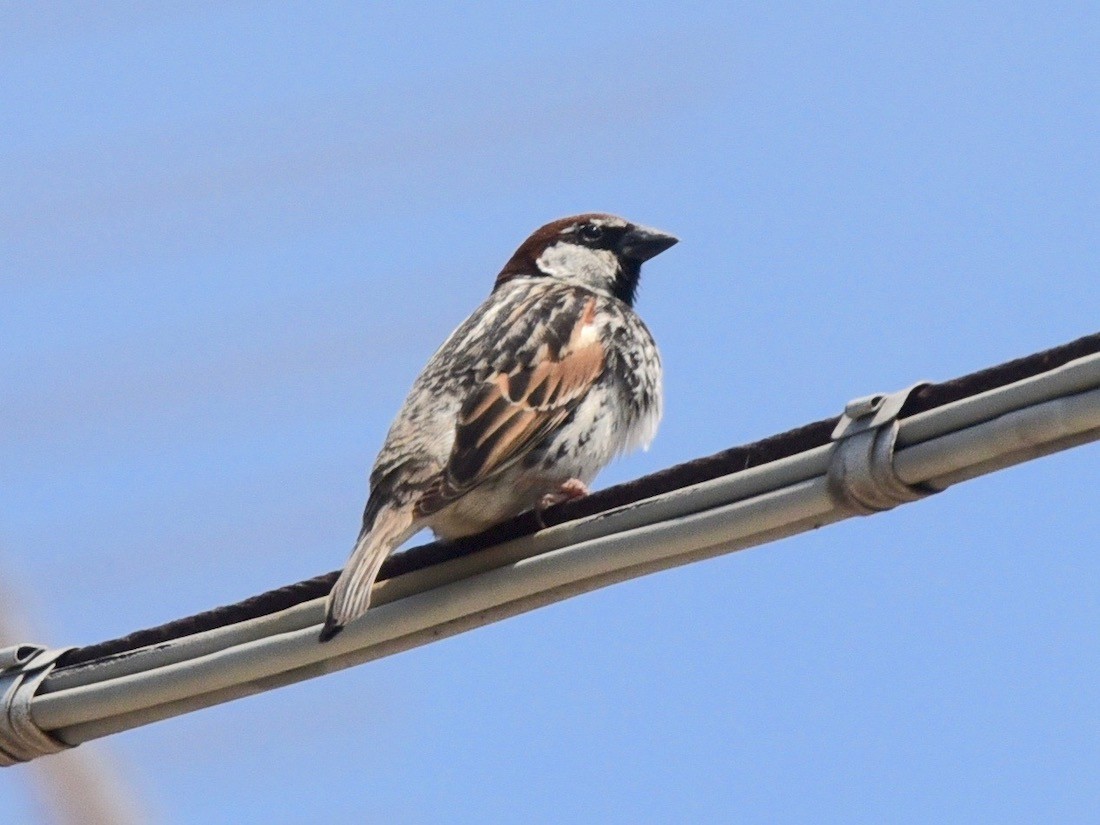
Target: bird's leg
<point>569,490</point>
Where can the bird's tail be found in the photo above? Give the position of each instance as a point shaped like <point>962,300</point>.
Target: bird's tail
<point>350,596</point>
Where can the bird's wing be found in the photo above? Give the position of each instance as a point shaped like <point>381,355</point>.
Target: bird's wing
<point>530,392</point>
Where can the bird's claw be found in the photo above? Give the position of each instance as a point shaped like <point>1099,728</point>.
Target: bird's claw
<point>572,489</point>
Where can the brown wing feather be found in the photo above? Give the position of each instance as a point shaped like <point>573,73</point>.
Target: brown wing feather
<point>512,412</point>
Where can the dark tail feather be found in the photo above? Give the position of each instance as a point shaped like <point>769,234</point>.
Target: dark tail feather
<point>330,629</point>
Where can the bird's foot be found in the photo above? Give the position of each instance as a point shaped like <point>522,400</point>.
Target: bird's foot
<point>572,489</point>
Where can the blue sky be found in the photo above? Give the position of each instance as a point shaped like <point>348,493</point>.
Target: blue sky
<point>231,233</point>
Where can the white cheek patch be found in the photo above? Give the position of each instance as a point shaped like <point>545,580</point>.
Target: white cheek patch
<point>570,261</point>
<point>609,264</point>
<point>561,259</point>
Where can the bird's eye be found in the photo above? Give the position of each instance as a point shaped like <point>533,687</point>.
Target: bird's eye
<point>591,232</point>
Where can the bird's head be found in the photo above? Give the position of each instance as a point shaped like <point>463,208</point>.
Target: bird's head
<point>603,253</point>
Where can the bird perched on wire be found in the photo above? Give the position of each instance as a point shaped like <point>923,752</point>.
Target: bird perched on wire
<point>550,378</point>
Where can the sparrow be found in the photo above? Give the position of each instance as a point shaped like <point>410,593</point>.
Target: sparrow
<point>520,408</point>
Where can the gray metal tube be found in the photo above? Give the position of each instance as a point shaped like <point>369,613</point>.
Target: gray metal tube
<point>957,441</point>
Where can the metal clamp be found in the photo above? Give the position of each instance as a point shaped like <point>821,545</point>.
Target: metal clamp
<point>23,668</point>
<point>861,474</point>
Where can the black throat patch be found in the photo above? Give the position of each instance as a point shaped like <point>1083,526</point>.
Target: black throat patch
<point>625,287</point>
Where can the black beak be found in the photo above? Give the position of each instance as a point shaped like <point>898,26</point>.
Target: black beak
<point>640,243</point>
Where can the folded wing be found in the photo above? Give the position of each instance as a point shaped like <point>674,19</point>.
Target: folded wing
<point>518,406</point>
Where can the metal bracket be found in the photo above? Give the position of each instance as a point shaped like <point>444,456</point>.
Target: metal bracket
<point>23,668</point>
<point>861,474</point>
